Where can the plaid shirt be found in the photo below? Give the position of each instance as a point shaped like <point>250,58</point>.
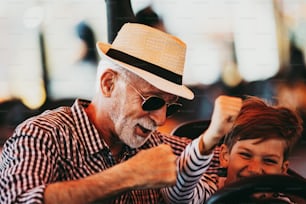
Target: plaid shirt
<point>62,144</point>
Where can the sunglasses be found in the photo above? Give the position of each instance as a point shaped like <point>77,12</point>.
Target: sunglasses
<point>152,103</point>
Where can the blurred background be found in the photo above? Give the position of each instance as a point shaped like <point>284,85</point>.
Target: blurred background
<point>234,47</point>
<point>231,43</point>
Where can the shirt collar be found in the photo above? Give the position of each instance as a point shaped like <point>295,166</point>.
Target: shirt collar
<point>87,133</point>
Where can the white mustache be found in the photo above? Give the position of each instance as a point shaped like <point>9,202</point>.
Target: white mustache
<point>147,124</point>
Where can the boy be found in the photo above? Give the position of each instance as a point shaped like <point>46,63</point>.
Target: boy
<point>259,142</point>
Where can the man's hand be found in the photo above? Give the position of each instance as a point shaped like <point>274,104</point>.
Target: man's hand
<point>153,168</point>
<point>225,112</point>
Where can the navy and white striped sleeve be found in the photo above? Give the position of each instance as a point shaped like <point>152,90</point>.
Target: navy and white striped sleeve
<point>193,186</point>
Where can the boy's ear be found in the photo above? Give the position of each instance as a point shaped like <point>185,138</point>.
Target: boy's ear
<point>224,156</point>
<point>285,166</point>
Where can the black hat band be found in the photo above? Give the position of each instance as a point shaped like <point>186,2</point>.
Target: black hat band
<point>144,65</point>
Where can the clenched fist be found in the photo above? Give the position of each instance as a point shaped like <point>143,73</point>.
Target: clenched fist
<point>154,167</point>
<point>225,112</point>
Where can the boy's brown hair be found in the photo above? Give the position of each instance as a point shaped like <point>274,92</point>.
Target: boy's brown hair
<point>258,119</point>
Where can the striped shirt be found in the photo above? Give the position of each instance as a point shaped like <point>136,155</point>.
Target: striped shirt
<point>63,144</point>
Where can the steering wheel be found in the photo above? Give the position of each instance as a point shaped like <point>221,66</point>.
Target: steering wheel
<point>242,191</point>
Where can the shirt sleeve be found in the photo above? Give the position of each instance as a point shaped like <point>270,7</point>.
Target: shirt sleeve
<point>25,169</point>
<point>193,185</point>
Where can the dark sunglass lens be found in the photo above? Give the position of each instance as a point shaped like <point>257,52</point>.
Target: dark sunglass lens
<point>153,103</point>
<point>173,108</point>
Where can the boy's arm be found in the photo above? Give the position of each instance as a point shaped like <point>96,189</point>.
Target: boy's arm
<point>192,185</point>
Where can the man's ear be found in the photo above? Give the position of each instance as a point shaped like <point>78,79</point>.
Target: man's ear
<point>107,82</point>
<point>224,156</point>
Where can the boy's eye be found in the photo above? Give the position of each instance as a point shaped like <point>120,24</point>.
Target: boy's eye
<point>270,161</point>
<point>245,155</point>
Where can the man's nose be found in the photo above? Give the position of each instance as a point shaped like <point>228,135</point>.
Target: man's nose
<point>159,116</point>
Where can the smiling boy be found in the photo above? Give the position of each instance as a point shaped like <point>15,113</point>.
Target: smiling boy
<point>260,141</point>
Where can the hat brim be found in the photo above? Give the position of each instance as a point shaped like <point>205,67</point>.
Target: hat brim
<point>154,80</point>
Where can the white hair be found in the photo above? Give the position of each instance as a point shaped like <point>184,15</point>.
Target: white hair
<point>107,64</point>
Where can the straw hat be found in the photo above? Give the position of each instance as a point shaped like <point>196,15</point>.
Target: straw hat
<point>153,55</point>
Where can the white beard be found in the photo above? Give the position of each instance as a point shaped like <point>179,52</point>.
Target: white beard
<point>126,131</point>
<point>125,126</point>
